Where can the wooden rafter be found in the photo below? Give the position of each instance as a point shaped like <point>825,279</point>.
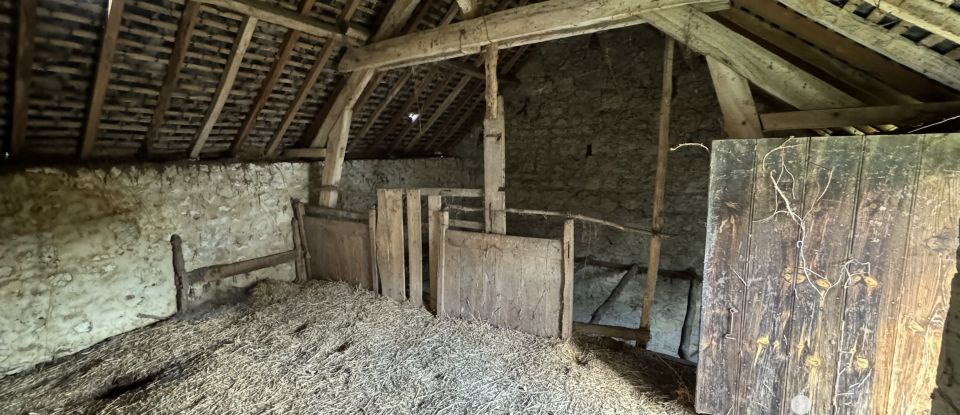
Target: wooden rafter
<point>111,32</point>
<point>539,22</point>
<point>740,119</point>
<point>181,43</point>
<point>346,15</point>
<point>312,75</point>
<point>396,17</point>
<point>438,89</point>
<point>889,114</point>
<point>764,69</point>
<point>895,47</point>
<point>849,78</point>
<point>385,102</point>
<point>23,72</point>
<point>401,114</point>
<point>895,75</point>
<point>441,109</point>
<point>290,40</point>
<point>226,84</point>
<point>291,20</point>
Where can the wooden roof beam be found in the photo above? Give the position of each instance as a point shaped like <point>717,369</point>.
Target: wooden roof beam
<point>270,81</point>
<point>893,46</point>
<point>934,17</point>
<point>469,8</point>
<point>181,43</point>
<point>104,65</point>
<point>911,114</point>
<point>291,20</point>
<point>226,84</point>
<point>740,118</point>
<point>538,22</point>
<point>763,68</point>
<point>22,73</point>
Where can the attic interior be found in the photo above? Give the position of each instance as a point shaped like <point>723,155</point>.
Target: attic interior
<point>480,206</point>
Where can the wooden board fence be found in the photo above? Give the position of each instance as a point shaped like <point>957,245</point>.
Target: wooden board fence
<point>508,281</point>
<point>340,249</point>
<point>827,273</point>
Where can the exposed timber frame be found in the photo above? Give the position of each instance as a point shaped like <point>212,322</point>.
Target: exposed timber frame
<point>740,118</point>
<point>23,72</point>
<point>539,22</point>
<point>111,32</point>
<point>494,150</point>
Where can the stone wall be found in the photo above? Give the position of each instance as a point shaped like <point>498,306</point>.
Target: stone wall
<point>85,252</point>
<point>581,138</point>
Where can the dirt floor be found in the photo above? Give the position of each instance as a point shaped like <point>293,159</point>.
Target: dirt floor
<point>329,348</point>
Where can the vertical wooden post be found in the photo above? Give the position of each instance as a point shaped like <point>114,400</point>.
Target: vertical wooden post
<point>414,247</point>
<point>298,264</point>
<point>179,272</point>
<point>494,150</point>
<point>374,272</point>
<point>23,72</point>
<point>300,232</point>
<point>433,210</point>
<point>442,219</point>
<point>566,301</point>
<point>390,245</point>
<point>333,164</point>
<point>663,147</point>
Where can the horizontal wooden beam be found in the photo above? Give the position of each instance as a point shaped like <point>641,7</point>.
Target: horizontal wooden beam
<point>305,153</point>
<point>539,22</point>
<point>831,118</point>
<point>761,67</point>
<point>291,20</point>
<point>219,272</point>
<point>625,333</point>
<point>882,41</point>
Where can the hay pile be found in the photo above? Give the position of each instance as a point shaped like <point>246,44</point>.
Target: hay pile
<point>328,348</point>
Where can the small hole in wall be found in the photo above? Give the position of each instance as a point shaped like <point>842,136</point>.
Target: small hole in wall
<point>589,150</point>
<point>413,116</point>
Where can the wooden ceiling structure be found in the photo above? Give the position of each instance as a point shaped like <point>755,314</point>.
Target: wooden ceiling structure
<point>114,80</point>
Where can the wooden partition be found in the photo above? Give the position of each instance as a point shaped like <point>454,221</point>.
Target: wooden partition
<point>340,246</point>
<point>827,274</point>
<point>513,282</point>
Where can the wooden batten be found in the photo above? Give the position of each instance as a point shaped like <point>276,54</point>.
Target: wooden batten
<point>566,291</point>
<point>390,244</point>
<point>111,32</point>
<point>226,84</point>
<point>414,247</point>
<point>291,20</point>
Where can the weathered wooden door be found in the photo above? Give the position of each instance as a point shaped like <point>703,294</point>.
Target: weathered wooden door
<point>827,274</point>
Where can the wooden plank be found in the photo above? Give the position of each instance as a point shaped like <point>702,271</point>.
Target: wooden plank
<point>625,333</point>
<point>291,20</point>
<point>441,218</point>
<point>874,37</point>
<point>494,150</point>
<point>874,273</point>
<point>660,184</point>
<point>539,22</point>
<point>188,19</point>
<point>22,73</point>
<point>450,192</point>
<point>837,45</point>
<point>305,153</point>
<point>764,69</point>
<point>433,210</point>
<point>111,31</point>
<point>566,293</point>
<point>320,211</point>
<point>300,266</point>
<point>740,119</point>
<point>290,40</point>
<point>764,340</point>
<point>299,213</point>
<point>414,247</point>
<point>523,246</point>
<point>887,114</point>
<point>829,200</point>
<point>240,45</point>
<point>931,262</point>
<point>339,250</point>
<point>302,93</point>
<point>372,234</point>
<point>815,60</point>
<point>729,220</point>
<point>390,255</point>
<point>333,164</point>
<point>469,266</point>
